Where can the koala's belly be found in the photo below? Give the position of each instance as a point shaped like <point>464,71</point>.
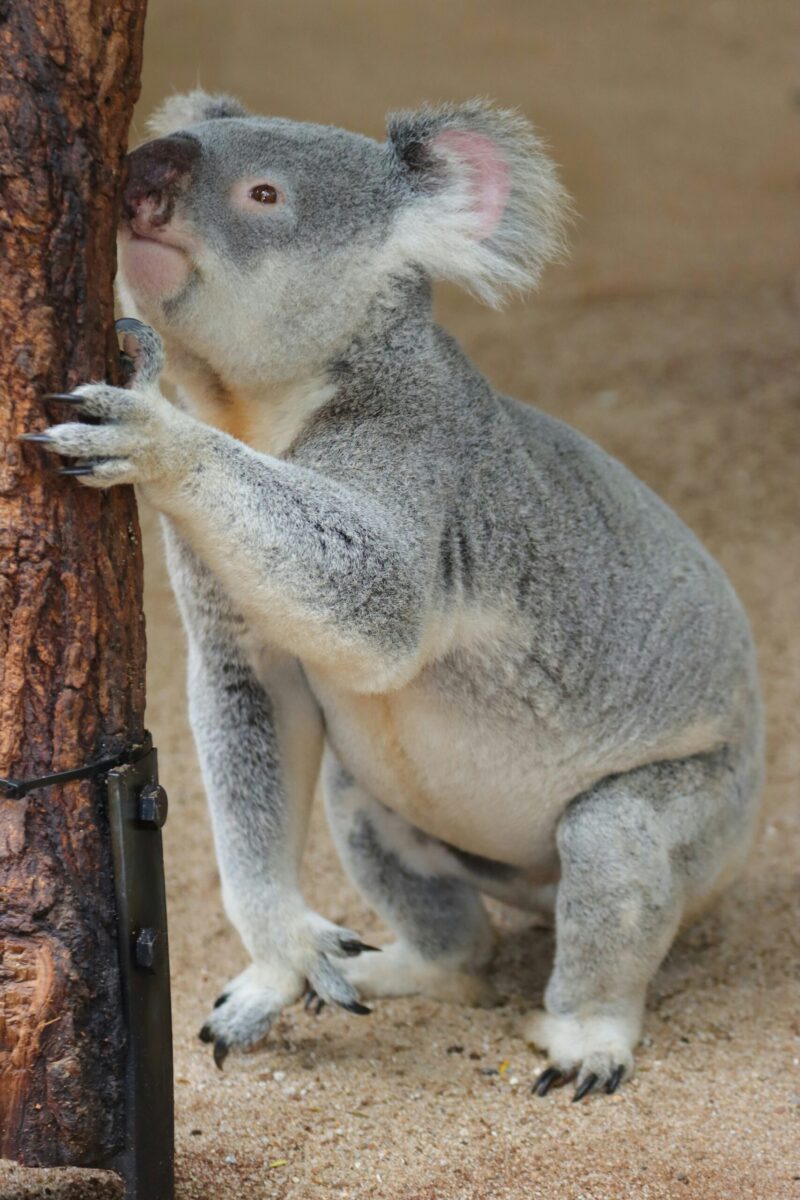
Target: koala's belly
<point>493,791</point>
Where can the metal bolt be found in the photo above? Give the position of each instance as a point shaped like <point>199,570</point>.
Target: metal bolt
<point>145,949</point>
<point>151,809</point>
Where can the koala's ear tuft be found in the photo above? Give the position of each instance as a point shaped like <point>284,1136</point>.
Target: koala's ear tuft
<point>190,108</point>
<point>481,203</point>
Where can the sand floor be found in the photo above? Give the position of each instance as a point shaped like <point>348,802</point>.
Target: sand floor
<point>671,337</point>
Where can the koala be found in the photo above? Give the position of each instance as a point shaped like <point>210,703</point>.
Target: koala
<point>514,671</point>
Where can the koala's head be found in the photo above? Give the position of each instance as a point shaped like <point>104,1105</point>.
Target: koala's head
<point>262,245</point>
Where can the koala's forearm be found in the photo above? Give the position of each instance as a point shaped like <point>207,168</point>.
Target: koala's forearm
<point>259,787</point>
<point>322,576</point>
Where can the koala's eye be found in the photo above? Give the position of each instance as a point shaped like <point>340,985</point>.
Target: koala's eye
<point>263,193</point>
<point>251,193</point>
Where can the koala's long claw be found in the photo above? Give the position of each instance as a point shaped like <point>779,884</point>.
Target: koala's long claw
<point>220,1000</point>
<point>615,1080</point>
<point>206,1035</point>
<point>352,947</point>
<point>84,470</point>
<point>131,325</point>
<point>147,352</point>
<point>64,397</point>
<point>44,438</point>
<point>354,1006</point>
<point>220,1052</point>
<point>584,1088</point>
<point>546,1080</point>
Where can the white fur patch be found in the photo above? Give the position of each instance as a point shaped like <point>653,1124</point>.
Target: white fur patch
<point>268,418</point>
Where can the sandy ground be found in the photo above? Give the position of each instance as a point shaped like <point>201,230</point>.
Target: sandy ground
<point>671,338</point>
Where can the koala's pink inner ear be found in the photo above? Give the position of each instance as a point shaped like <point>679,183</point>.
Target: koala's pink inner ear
<point>489,175</point>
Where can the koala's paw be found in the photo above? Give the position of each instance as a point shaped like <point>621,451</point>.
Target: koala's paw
<point>245,1011</point>
<point>133,435</point>
<point>597,1052</point>
<point>137,437</point>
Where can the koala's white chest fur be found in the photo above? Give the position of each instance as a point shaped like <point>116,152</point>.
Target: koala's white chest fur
<point>268,422</point>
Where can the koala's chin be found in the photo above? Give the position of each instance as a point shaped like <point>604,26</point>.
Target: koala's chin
<point>152,268</point>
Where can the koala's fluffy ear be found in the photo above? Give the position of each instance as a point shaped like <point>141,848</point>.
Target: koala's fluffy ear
<point>482,204</point>
<point>178,112</point>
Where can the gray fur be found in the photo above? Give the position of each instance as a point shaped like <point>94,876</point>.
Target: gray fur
<point>528,669</point>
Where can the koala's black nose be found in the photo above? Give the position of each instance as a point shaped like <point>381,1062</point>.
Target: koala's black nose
<point>157,172</point>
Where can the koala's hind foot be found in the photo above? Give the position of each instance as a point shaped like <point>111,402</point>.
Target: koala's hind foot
<point>598,1051</point>
<point>245,1011</point>
<point>402,971</point>
<point>444,941</point>
<point>636,852</point>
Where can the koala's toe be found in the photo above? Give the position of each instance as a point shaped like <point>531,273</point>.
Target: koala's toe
<point>330,985</point>
<point>335,940</point>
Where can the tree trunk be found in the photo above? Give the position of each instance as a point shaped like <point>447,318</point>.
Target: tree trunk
<point>72,647</point>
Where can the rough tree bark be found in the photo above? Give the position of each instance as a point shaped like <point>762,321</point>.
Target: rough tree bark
<point>71,627</point>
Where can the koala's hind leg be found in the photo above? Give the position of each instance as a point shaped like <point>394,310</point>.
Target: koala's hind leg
<point>444,940</point>
<point>638,852</point>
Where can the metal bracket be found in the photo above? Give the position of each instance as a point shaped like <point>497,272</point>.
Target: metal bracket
<point>16,789</point>
<point>137,808</point>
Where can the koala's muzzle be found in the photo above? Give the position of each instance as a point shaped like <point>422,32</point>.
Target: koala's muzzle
<point>158,172</point>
